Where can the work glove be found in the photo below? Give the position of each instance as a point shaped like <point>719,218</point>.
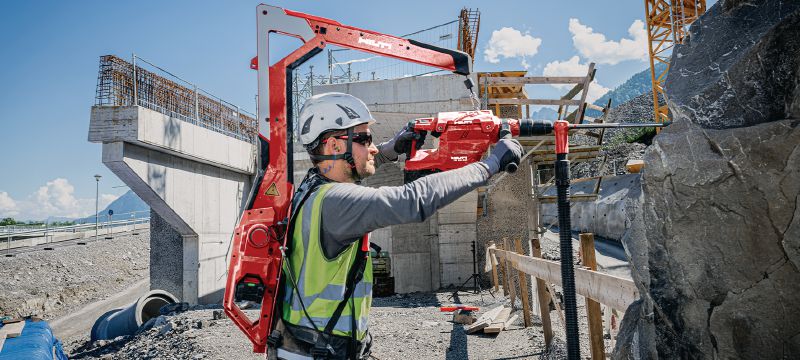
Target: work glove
<point>505,152</point>
<point>401,143</point>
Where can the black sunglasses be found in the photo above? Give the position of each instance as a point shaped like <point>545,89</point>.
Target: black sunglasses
<point>363,138</point>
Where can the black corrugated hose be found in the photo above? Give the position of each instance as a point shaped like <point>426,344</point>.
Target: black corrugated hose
<point>567,271</point>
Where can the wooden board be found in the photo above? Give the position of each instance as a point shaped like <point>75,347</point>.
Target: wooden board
<point>533,102</point>
<point>544,298</point>
<point>523,287</point>
<point>12,330</point>
<point>498,323</point>
<point>484,320</point>
<point>610,290</point>
<point>534,80</point>
<point>634,166</point>
<point>510,322</point>
<point>2,340</point>
<point>593,312</point>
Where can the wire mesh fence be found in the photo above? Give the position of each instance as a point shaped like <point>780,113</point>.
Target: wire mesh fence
<point>159,90</point>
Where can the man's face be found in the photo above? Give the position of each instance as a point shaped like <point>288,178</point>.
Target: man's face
<point>364,156</point>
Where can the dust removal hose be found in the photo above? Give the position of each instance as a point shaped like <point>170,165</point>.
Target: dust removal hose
<point>567,263</point>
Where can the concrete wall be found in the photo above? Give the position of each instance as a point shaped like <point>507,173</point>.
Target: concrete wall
<point>435,253</point>
<point>193,178</point>
<point>604,217</point>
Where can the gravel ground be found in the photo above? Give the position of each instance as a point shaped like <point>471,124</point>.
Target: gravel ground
<point>403,326</point>
<point>50,283</point>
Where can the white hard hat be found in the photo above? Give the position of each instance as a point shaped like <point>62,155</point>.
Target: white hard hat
<point>330,111</point>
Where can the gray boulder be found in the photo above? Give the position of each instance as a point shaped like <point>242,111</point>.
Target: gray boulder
<point>716,250</point>
<point>740,66</point>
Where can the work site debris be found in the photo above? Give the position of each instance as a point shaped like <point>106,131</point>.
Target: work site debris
<point>464,317</point>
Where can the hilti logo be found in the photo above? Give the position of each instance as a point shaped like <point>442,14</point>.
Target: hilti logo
<point>378,44</point>
<point>458,158</point>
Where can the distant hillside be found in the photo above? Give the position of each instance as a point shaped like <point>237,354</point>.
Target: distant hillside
<point>122,206</point>
<point>638,84</point>
<point>544,114</point>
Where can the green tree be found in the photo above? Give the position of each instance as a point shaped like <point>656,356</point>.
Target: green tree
<point>8,221</point>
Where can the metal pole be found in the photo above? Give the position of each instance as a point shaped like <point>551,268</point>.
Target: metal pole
<point>96,205</point>
<point>330,66</point>
<point>135,87</point>
<point>196,107</point>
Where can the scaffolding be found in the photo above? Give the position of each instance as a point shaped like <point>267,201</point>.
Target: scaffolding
<point>159,90</point>
<point>667,24</point>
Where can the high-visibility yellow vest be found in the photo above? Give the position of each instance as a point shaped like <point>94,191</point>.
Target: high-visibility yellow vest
<point>321,281</point>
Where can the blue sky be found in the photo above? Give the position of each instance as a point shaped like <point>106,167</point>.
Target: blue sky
<point>48,67</point>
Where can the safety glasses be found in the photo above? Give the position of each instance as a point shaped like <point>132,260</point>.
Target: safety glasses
<point>363,138</point>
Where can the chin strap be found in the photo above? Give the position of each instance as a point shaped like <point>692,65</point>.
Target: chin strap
<point>347,156</point>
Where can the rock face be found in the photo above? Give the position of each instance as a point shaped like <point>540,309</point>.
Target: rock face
<point>740,65</point>
<point>716,245</point>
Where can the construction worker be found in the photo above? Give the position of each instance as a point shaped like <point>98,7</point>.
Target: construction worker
<point>328,273</point>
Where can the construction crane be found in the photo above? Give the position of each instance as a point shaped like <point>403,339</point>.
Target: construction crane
<point>667,24</point>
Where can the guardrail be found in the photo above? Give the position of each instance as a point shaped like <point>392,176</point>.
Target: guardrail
<point>598,288</point>
<point>16,233</point>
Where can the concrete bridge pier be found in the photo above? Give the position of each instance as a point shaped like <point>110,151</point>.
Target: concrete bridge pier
<point>196,181</point>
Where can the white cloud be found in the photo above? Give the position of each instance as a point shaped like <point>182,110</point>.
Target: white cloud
<point>511,43</point>
<point>573,67</point>
<point>55,198</point>
<point>8,207</point>
<point>596,48</point>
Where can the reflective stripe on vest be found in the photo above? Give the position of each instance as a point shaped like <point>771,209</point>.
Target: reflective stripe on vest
<point>321,282</point>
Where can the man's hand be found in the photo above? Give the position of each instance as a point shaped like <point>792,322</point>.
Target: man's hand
<point>507,151</point>
<point>401,143</point>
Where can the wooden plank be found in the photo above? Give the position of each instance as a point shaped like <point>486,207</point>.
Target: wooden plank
<point>533,102</point>
<point>484,320</point>
<point>523,287</point>
<point>557,304</point>
<point>582,104</point>
<point>607,289</point>
<point>498,323</point>
<point>550,199</point>
<point>510,322</point>
<point>511,289</point>
<point>534,80</point>
<point>2,341</point>
<point>595,107</point>
<point>493,261</point>
<point>502,267</point>
<point>544,299</point>
<point>593,312</point>
<point>572,92</point>
<point>634,166</point>
<point>12,330</point>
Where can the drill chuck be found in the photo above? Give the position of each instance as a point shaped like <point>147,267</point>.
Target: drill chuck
<point>529,127</point>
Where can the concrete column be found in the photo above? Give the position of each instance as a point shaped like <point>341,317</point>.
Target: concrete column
<point>195,181</point>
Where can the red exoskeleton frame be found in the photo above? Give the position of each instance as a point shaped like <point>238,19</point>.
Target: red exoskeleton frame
<point>254,272</point>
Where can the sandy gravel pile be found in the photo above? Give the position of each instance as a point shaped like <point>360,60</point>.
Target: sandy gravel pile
<point>50,283</point>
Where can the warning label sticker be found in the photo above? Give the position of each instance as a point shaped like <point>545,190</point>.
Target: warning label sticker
<point>272,190</point>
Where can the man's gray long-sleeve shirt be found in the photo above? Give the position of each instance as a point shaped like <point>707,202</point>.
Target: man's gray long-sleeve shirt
<point>349,211</point>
